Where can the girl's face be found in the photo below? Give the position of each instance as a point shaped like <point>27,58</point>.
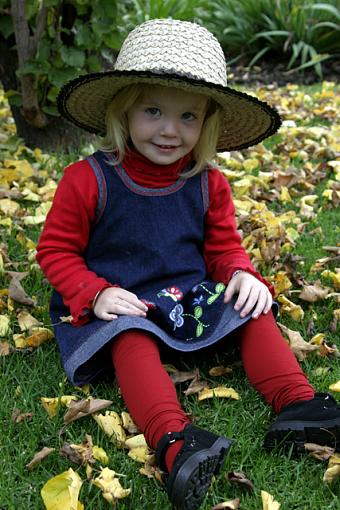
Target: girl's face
<point>165,123</point>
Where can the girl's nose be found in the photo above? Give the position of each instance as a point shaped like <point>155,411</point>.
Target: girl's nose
<point>169,127</point>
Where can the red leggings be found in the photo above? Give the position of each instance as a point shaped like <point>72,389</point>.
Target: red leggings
<point>150,394</point>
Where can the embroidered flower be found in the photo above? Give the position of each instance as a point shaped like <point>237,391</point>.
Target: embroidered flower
<point>176,316</point>
<point>198,300</point>
<point>172,292</point>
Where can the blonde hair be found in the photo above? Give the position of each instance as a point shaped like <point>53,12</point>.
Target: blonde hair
<point>117,132</point>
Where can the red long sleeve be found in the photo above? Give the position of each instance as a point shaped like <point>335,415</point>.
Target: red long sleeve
<point>66,232</point>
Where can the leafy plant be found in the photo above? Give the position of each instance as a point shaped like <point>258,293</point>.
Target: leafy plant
<point>306,32</point>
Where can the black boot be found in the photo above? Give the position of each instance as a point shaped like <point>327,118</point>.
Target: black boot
<point>200,457</point>
<point>309,421</point>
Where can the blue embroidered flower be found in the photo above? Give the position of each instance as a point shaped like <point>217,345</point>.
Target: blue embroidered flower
<point>198,300</point>
<point>176,316</point>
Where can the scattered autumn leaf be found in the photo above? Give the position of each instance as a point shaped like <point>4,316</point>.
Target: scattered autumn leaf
<point>129,424</point>
<point>80,454</point>
<point>299,346</point>
<point>5,348</point>
<point>239,478</point>
<point>4,325</point>
<point>313,293</point>
<point>268,502</point>
<point>219,392</point>
<point>80,408</point>
<point>18,416</point>
<point>333,470</point>
<point>335,386</point>
<point>110,486</point>
<point>111,424</point>
<point>16,291</point>
<point>39,456</point>
<point>220,370</point>
<point>233,504</point>
<point>62,491</point>
<point>180,377</point>
<point>319,452</point>
<point>51,404</point>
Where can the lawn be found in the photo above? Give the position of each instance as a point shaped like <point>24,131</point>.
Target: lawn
<point>287,195</point>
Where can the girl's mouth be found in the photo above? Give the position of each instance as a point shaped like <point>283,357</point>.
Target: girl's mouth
<point>166,148</point>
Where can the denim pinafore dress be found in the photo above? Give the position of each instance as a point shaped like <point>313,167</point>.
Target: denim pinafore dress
<point>150,242</point>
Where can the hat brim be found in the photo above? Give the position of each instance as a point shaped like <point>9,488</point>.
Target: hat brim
<point>246,122</point>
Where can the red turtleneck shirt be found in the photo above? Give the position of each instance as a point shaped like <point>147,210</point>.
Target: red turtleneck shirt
<point>68,224</point>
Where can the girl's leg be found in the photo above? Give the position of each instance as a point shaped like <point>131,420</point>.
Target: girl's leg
<point>271,365</point>
<point>147,389</point>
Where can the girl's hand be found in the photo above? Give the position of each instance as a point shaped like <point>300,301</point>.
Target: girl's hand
<point>115,301</point>
<point>251,293</point>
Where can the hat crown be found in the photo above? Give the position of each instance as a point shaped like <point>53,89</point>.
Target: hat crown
<point>181,48</point>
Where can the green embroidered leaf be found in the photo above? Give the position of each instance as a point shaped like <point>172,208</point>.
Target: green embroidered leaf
<point>198,311</point>
<point>199,330</point>
<point>212,298</point>
<point>220,288</point>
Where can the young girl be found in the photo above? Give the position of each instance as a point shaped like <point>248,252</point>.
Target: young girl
<point>142,249</point>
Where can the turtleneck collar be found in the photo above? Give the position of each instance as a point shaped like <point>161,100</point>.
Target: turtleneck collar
<point>148,174</point>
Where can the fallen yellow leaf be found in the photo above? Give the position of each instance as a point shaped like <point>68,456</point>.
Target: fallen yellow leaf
<point>4,325</point>
<point>268,502</point>
<point>61,492</point>
<point>100,454</point>
<point>333,470</point>
<point>112,426</point>
<point>335,386</point>
<point>139,454</point>
<point>51,404</point>
<point>220,392</point>
<point>110,486</point>
<point>27,321</point>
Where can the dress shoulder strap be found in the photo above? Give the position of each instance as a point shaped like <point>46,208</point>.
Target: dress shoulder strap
<point>102,188</point>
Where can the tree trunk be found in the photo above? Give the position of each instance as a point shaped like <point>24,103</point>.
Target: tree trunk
<point>58,133</point>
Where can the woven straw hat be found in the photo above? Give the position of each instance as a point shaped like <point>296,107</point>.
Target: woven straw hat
<point>177,54</point>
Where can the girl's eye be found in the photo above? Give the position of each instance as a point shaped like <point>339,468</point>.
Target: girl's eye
<point>188,116</point>
<point>154,112</point>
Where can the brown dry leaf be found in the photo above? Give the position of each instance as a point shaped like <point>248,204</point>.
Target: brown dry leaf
<point>16,291</point>
<point>220,370</point>
<point>268,502</point>
<point>319,452</point>
<point>80,454</point>
<point>27,321</point>
<point>179,377</point>
<point>5,348</point>
<point>195,386</point>
<point>18,416</point>
<point>220,392</point>
<point>232,504</point>
<point>80,408</point>
<point>39,456</point>
<point>239,478</point>
<point>333,470</point>
<point>313,293</point>
<point>298,345</point>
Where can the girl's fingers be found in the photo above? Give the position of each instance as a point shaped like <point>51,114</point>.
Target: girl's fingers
<point>243,296</point>
<point>260,305</point>
<point>131,300</point>
<point>106,316</point>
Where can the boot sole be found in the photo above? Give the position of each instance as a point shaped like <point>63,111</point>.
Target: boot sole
<point>193,479</point>
<point>292,435</point>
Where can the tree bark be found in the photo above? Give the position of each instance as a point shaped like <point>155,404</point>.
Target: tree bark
<point>58,133</point>
<point>26,49</point>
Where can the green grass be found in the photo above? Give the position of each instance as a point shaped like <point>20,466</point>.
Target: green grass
<point>26,376</point>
